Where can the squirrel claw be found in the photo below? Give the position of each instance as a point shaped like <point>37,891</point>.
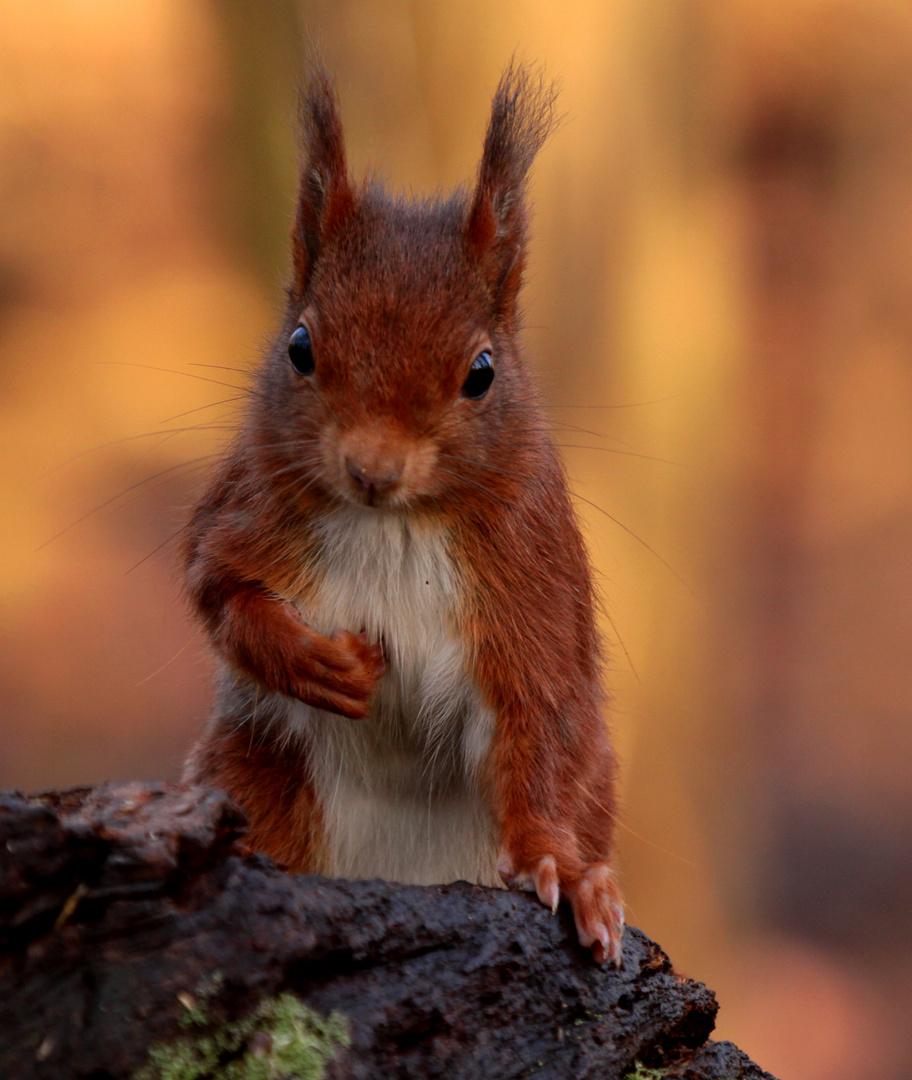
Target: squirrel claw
<point>544,877</point>
<point>541,878</point>
<point>598,913</point>
<point>506,868</point>
<point>593,895</point>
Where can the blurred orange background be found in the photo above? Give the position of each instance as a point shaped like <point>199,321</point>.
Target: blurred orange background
<point>720,307</point>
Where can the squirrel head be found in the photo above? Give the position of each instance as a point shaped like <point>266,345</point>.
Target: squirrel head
<point>397,379</point>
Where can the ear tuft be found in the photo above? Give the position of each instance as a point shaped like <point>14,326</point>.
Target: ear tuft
<point>325,195</point>
<point>522,118</point>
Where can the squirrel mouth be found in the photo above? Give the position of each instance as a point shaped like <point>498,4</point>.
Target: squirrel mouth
<point>374,495</point>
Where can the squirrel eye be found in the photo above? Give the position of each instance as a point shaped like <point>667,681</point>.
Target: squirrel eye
<point>300,351</point>
<point>480,377</point>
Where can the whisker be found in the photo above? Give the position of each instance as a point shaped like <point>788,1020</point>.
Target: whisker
<point>222,367</point>
<point>200,408</point>
<point>133,438</point>
<point>582,430</point>
<point>291,444</point>
<point>155,550</point>
<point>595,506</point>
<point>620,641</point>
<point>473,484</point>
<point>155,482</point>
<point>486,465</point>
<point>621,825</point>
<point>166,437</point>
<point>167,663</point>
<point>295,467</point>
<point>623,453</point>
<point>639,539</point>
<point>630,405</point>
<point>169,371</point>
<point>140,483</point>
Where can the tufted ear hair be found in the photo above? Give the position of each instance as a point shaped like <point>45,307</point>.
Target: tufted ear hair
<point>522,118</point>
<point>325,195</point>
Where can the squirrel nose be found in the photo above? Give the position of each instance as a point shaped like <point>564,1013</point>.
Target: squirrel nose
<point>375,476</point>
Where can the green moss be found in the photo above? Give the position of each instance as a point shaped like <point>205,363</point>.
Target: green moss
<point>197,1004</point>
<point>639,1071</point>
<point>281,1038</point>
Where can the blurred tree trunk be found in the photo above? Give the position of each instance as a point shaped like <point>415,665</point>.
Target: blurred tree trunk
<point>265,53</point>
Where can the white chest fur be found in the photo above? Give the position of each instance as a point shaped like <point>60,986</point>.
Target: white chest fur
<point>399,790</point>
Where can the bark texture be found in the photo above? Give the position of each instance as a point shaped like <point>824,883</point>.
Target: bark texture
<point>137,939</point>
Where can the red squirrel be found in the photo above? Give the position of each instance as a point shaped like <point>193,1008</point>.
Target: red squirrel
<point>388,563</point>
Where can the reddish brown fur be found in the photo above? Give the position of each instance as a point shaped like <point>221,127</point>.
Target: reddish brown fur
<point>399,297</point>
<point>284,817</point>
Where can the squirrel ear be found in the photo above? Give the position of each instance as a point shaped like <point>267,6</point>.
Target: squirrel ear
<point>522,118</point>
<point>325,195</point>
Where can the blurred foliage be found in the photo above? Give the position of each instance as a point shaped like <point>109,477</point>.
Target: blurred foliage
<point>718,304</point>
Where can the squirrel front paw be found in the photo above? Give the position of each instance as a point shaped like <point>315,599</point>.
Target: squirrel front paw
<point>595,899</point>
<point>339,674</point>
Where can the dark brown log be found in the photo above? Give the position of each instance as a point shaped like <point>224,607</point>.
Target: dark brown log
<point>137,939</point>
